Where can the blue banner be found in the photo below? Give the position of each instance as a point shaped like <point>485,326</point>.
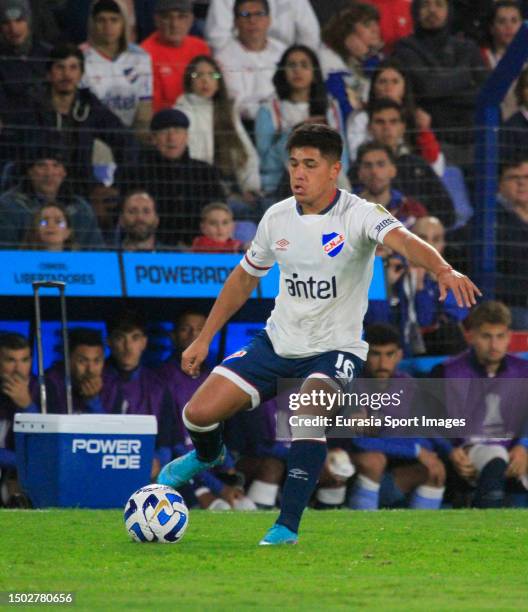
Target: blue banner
<point>85,274</point>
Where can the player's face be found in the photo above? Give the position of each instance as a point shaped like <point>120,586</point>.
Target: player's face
<point>127,348</point>
<point>218,225</point>
<point>108,28</point>
<point>490,343</point>
<point>171,142</point>
<point>312,176</point>
<point>514,185</point>
<point>188,330</point>
<point>383,359</point>
<point>173,26</point>
<point>390,84</point>
<point>65,75</point>
<point>252,23</point>
<point>15,362</point>
<point>205,79</point>
<point>432,14</point>
<point>387,127</point>
<point>505,25</point>
<point>376,172</point>
<point>53,228</point>
<point>86,362</point>
<point>46,176</point>
<point>299,71</point>
<point>139,218</point>
<point>432,231</point>
<point>15,31</point>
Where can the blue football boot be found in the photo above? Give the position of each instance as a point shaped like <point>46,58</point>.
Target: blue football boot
<point>179,471</point>
<point>279,534</point>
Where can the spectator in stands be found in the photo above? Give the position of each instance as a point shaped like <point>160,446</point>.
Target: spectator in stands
<point>46,182</point>
<point>18,393</point>
<point>300,96</point>
<point>390,82</point>
<point>76,113</point>
<point>349,38</point>
<point>394,467</point>
<point>513,132</point>
<point>180,185</point>
<point>395,20</point>
<point>136,389</point>
<point>469,18</point>
<point>415,177</point>
<point>50,230</point>
<point>503,23</point>
<point>249,60</point>
<point>104,200</point>
<point>216,134</point>
<point>511,239</point>
<point>86,363</point>
<point>117,72</point>
<point>290,23</point>
<point>171,48</point>
<point>446,73</point>
<point>376,172</point>
<point>139,222</point>
<point>217,226</point>
<point>23,56</point>
<point>494,448</point>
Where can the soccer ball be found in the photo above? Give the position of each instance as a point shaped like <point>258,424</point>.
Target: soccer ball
<point>156,513</point>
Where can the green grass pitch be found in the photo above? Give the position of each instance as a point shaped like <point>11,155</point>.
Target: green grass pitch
<point>387,560</point>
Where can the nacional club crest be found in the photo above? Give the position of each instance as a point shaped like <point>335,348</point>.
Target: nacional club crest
<point>333,243</point>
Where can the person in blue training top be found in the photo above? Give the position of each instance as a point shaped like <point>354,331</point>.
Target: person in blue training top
<point>493,451</point>
<point>391,468</point>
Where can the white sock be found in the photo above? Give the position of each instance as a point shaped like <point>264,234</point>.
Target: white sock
<point>331,497</point>
<point>263,493</point>
<point>367,483</point>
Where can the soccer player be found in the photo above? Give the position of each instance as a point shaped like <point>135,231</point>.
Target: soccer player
<point>324,241</point>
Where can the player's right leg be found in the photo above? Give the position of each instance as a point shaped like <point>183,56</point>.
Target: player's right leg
<point>217,399</point>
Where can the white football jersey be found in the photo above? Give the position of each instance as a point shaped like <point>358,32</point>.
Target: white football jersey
<point>326,263</point>
<point>119,83</point>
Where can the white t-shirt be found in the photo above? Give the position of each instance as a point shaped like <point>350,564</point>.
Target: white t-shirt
<point>326,263</point>
<point>121,84</point>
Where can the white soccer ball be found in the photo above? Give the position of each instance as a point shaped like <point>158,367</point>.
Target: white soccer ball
<point>156,513</point>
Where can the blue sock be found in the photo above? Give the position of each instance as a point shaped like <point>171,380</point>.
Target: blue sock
<point>390,495</point>
<point>305,460</point>
<point>364,494</point>
<point>427,498</point>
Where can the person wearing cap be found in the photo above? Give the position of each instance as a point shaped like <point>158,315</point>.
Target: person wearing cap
<point>22,67</point>
<point>118,72</point>
<point>179,184</point>
<point>171,49</point>
<point>45,181</point>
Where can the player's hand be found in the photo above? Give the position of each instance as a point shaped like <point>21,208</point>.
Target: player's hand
<point>462,464</point>
<point>231,494</point>
<point>91,386</point>
<point>16,387</point>
<point>518,465</point>
<point>434,466</point>
<point>193,357</point>
<point>464,290</point>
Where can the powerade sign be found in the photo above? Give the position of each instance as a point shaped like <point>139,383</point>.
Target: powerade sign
<point>85,274</point>
<point>115,454</point>
<point>182,275</point>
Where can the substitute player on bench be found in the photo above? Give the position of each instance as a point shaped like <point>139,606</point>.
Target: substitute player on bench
<point>324,241</point>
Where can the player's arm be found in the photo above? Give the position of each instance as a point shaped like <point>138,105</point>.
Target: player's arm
<point>235,293</point>
<point>418,252</point>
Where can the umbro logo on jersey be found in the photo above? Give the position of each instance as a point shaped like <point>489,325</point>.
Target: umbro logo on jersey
<point>333,244</point>
<point>282,245</point>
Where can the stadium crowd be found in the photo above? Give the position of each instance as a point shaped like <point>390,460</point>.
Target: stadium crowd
<point>160,125</point>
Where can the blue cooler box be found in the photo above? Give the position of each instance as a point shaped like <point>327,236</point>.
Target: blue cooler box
<point>85,460</point>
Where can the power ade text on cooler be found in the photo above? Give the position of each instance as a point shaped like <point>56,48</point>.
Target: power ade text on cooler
<point>116,454</point>
<point>311,288</point>
<point>182,274</point>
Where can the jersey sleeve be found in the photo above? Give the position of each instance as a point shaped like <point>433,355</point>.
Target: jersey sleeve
<point>378,222</point>
<point>259,258</point>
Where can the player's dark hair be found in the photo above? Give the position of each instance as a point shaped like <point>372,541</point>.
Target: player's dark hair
<point>13,341</point>
<point>134,192</point>
<point>62,52</point>
<point>382,104</point>
<point>380,334</point>
<point>492,312</point>
<point>319,136</point>
<point>369,147</point>
<point>84,336</point>
<point>511,163</point>
<point>236,6</point>
<point>126,321</point>
<point>186,313</point>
